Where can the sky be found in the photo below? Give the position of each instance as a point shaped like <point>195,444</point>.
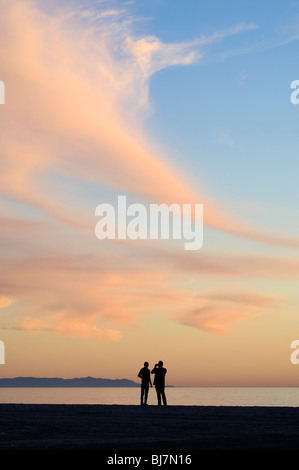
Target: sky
<point>162,102</point>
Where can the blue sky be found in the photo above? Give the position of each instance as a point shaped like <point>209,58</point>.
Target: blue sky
<point>230,119</point>
<point>106,98</point>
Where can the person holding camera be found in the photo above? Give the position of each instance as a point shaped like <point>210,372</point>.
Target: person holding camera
<point>159,382</point>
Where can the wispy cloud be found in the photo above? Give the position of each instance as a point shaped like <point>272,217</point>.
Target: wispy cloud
<point>77,83</point>
<point>152,54</point>
<point>215,312</point>
<point>241,79</point>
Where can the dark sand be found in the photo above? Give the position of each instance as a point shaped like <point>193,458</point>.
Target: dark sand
<point>155,429</point>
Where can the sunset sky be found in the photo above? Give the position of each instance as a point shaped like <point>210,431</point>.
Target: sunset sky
<point>163,101</point>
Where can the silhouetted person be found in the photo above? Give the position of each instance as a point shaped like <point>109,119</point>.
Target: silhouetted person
<point>145,376</point>
<point>159,382</point>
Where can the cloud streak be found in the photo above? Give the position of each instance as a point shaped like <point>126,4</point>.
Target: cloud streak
<point>77,88</point>
<point>215,311</point>
<point>66,81</point>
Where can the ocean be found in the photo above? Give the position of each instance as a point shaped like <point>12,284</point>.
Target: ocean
<point>187,396</point>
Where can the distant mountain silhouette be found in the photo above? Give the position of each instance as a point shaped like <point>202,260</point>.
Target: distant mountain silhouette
<point>57,382</point>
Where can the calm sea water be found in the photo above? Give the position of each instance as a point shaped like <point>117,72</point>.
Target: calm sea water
<point>204,396</point>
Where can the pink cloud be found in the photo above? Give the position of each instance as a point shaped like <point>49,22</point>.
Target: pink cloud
<point>69,109</point>
<point>216,311</point>
<point>74,110</point>
<point>69,328</point>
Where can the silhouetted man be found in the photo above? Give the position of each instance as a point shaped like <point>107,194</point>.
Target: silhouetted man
<point>159,382</point>
<point>145,376</point>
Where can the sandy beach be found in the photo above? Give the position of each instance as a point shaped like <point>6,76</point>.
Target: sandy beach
<point>155,429</point>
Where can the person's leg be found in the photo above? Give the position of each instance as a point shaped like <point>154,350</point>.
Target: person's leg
<point>164,397</point>
<point>158,395</point>
<point>141,397</point>
<point>145,395</point>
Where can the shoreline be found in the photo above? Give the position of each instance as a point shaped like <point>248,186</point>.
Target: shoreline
<point>135,428</point>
